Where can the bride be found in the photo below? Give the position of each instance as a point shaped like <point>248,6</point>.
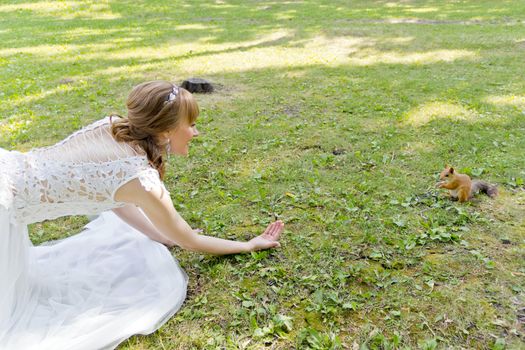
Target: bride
<point>95,289</point>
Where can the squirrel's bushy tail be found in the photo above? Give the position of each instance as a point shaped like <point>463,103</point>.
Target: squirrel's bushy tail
<point>484,187</point>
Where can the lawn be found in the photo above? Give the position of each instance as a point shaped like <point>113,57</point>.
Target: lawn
<point>333,116</point>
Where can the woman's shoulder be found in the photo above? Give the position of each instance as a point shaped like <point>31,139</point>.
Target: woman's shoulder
<point>146,182</point>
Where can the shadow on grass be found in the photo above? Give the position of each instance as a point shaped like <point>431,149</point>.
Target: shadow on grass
<point>148,26</point>
<point>333,148</point>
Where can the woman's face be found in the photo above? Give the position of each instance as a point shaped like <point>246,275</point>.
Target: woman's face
<point>181,136</point>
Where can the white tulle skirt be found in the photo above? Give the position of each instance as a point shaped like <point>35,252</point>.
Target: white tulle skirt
<point>89,291</point>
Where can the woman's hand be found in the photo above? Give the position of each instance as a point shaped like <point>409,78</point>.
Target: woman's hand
<point>269,238</point>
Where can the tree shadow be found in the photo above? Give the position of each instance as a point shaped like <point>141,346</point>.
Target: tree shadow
<point>375,124</point>
<point>393,49</point>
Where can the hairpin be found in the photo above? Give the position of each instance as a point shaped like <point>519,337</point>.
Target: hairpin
<point>173,94</point>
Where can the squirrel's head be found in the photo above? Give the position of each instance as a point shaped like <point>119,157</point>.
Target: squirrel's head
<point>446,173</point>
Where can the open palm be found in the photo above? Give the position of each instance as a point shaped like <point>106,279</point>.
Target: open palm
<point>269,238</point>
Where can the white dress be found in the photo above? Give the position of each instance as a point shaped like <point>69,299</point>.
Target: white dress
<point>94,289</point>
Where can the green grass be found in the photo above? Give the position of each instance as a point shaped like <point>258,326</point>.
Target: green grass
<point>336,117</point>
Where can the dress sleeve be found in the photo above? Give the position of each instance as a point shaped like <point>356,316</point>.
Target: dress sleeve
<point>149,179</point>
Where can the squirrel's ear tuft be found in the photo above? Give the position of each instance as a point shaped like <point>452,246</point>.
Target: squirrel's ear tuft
<point>451,170</point>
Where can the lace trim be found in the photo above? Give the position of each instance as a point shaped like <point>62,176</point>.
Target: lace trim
<point>148,178</point>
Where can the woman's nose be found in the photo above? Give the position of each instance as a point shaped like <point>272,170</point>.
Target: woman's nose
<point>195,132</point>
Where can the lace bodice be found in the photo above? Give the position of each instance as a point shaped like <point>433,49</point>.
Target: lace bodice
<point>77,176</point>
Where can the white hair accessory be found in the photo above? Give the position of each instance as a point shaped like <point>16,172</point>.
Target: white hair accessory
<point>173,94</point>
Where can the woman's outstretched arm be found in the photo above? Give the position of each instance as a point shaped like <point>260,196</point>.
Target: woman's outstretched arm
<point>158,207</point>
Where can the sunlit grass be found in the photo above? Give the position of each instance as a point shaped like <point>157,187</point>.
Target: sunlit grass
<point>422,10</point>
<point>41,6</point>
<point>64,9</point>
<point>14,126</point>
<point>438,110</point>
<point>335,117</point>
<point>316,51</point>
<point>23,99</point>
<point>508,100</point>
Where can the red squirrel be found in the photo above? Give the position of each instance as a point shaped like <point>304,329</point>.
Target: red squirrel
<point>461,187</point>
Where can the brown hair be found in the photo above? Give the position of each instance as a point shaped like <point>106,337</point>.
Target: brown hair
<point>151,113</point>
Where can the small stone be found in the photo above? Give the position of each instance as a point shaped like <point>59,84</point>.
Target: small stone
<point>505,241</point>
